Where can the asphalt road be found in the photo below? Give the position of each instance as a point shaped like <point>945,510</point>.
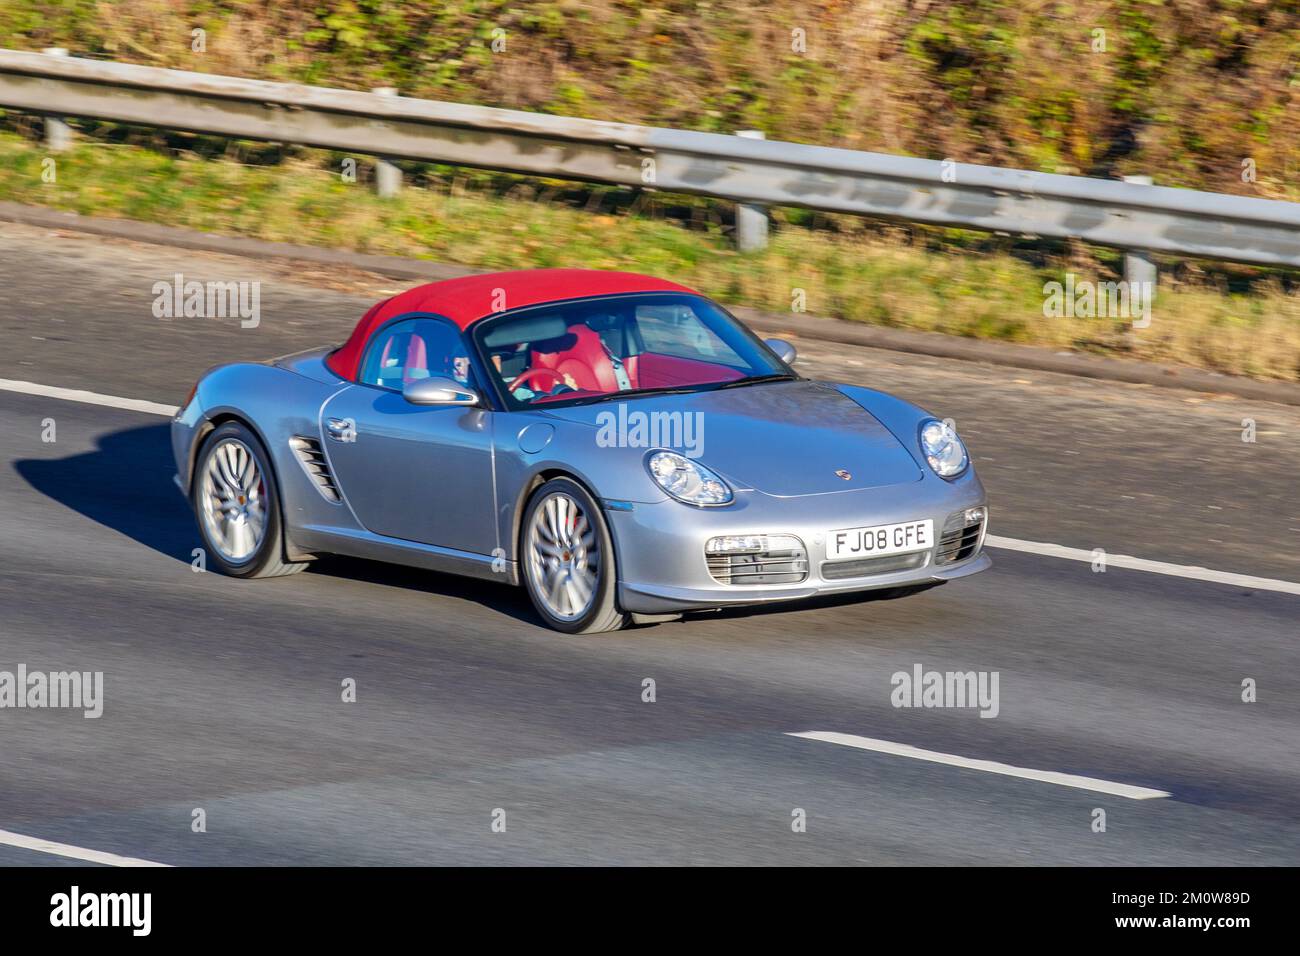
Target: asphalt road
<point>226,695</point>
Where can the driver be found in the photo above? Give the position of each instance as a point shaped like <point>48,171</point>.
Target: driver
<point>546,382</point>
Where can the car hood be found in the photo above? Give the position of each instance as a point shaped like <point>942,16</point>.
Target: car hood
<point>780,438</point>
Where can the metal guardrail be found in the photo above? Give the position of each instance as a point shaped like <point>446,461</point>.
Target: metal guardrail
<point>744,170</point>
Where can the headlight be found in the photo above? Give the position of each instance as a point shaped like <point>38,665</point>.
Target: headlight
<point>687,480</point>
<point>943,449</point>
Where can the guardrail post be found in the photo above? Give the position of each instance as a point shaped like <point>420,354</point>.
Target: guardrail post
<point>1138,265</point>
<point>58,134</point>
<point>751,220</point>
<point>388,177</point>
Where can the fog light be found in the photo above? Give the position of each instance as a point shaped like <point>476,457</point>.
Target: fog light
<point>753,544</point>
<point>735,544</point>
<point>975,515</point>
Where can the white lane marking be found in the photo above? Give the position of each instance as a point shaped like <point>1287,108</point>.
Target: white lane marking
<point>88,398</point>
<point>1142,564</point>
<point>992,540</point>
<point>988,766</point>
<point>72,852</point>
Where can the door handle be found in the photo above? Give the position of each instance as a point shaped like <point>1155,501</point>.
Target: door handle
<point>341,429</point>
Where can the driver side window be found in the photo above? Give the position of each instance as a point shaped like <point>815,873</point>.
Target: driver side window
<point>413,349</point>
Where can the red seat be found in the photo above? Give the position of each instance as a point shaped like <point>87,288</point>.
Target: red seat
<point>585,364</point>
<point>416,358</point>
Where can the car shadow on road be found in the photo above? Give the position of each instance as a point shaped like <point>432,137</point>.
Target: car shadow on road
<point>502,598</point>
<point>124,484</point>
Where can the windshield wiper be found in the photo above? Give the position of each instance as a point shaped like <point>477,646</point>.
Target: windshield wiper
<point>756,379</point>
<point>635,393</point>
<point>678,389</point>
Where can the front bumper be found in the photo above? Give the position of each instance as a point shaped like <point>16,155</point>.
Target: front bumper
<point>661,557</point>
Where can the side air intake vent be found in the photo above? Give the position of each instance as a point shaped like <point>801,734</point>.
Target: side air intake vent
<point>962,533</point>
<point>313,462</point>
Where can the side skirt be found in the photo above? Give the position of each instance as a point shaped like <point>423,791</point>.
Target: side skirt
<point>365,544</point>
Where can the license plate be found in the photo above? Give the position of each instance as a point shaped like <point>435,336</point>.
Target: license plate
<point>880,540</point>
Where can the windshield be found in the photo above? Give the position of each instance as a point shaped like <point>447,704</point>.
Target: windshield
<point>593,349</point>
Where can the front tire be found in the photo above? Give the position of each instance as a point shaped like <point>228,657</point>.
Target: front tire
<point>567,559</point>
<point>237,505</point>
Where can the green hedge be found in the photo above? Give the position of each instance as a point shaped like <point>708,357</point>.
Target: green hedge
<point>1182,91</point>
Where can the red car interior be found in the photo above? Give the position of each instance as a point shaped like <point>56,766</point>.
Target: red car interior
<point>656,370</point>
<point>587,366</point>
<point>586,362</point>
<point>416,357</point>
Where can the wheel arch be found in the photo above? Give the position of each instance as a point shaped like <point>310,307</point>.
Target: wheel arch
<point>208,425</point>
<point>224,416</point>
<point>538,479</point>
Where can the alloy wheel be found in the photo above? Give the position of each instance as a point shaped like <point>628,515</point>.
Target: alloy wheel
<point>232,500</point>
<point>563,557</point>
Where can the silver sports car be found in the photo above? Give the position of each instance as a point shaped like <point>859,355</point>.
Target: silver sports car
<point>619,445</point>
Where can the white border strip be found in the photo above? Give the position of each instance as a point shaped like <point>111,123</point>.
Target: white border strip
<point>992,540</point>
<point>88,398</point>
<point>1142,564</point>
<point>72,852</point>
<point>988,766</point>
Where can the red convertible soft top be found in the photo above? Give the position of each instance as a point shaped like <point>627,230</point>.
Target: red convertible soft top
<point>470,298</point>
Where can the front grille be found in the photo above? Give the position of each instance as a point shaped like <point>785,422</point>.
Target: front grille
<point>312,459</point>
<point>860,567</point>
<point>763,565</point>
<point>960,539</point>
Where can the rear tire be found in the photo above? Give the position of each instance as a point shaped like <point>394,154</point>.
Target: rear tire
<point>236,504</point>
<point>567,560</point>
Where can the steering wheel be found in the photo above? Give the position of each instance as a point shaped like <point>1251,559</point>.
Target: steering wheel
<point>525,378</point>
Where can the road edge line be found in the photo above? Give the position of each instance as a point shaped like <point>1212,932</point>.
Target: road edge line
<point>1128,562</point>
<point>1127,790</point>
<point>23,842</point>
<point>86,398</point>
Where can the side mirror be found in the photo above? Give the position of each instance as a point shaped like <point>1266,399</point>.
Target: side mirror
<point>438,390</point>
<point>783,349</point>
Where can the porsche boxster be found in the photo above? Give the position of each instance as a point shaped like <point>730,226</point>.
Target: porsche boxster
<point>620,446</point>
